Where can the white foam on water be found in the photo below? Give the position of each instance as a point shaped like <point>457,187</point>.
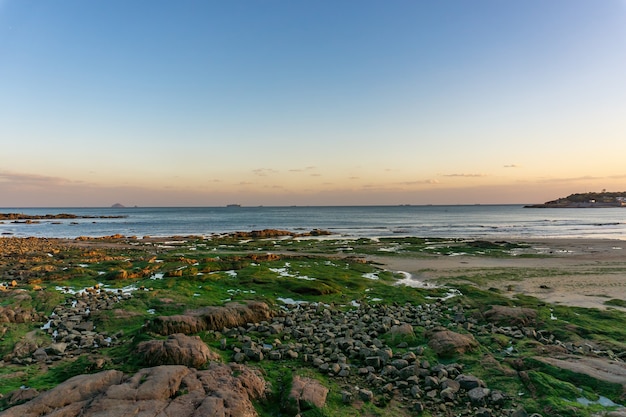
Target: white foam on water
<point>291,301</point>
<point>410,281</point>
<point>371,275</point>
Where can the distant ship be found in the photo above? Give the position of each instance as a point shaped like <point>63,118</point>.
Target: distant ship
<point>233,205</point>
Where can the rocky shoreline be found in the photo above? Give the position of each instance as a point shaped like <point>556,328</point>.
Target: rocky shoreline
<point>407,358</point>
<point>350,347</point>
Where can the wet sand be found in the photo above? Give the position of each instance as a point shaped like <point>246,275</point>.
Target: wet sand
<point>573,272</point>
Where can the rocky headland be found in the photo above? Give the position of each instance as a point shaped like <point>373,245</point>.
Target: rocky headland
<point>602,199</point>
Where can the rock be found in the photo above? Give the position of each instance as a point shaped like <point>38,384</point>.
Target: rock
<point>178,349</point>
<point>520,412</point>
<point>26,345</point>
<point>497,397</point>
<point>447,343</point>
<point>346,397</point>
<point>305,393</point>
<point>74,392</point>
<point>483,412</point>
<point>450,384</point>
<point>373,361</point>
<point>85,326</point>
<point>179,323</point>
<point>399,332</point>
<point>40,355</point>
<point>511,316</point>
<point>172,390</point>
<point>478,395</point>
<point>232,315</point>
<point>366,395</point>
<point>57,348</point>
<point>10,314</point>
<point>21,395</point>
<point>468,382</point>
<point>448,394</point>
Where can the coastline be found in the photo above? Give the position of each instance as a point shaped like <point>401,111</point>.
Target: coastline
<point>172,278</point>
<point>572,272</point>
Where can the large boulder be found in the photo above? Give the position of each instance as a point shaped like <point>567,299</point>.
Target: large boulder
<point>18,314</point>
<point>305,393</point>
<point>402,332</point>
<point>169,390</point>
<point>447,343</point>
<point>511,316</point>
<point>26,345</point>
<point>74,393</point>
<point>212,318</point>
<point>178,349</point>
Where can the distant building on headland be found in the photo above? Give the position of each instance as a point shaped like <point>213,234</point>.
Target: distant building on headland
<point>586,200</point>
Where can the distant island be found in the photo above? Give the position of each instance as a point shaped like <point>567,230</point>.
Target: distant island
<point>586,200</point>
<point>18,217</point>
<point>118,205</point>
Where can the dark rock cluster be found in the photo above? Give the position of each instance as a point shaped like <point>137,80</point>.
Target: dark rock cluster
<point>71,329</point>
<point>352,347</point>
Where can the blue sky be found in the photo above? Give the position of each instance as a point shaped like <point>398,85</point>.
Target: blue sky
<point>310,102</point>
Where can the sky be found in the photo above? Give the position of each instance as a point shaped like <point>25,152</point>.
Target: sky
<point>342,102</point>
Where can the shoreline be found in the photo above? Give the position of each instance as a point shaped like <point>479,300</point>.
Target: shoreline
<point>507,336</point>
<point>572,272</point>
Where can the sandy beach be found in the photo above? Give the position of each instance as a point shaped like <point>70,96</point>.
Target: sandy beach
<point>573,272</point>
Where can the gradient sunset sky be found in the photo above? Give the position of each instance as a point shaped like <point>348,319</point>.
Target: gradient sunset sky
<point>264,102</point>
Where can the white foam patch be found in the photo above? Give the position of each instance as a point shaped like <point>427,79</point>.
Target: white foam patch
<point>410,281</point>
<point>371,275</point>
<point>291,301</point>
<point>283,272</point>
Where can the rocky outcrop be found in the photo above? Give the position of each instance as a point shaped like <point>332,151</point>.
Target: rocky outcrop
<point>221,390</point>
<point>211,318</point>
<point>271,233</point>
<point>71,395</point>
<point>178,349</point>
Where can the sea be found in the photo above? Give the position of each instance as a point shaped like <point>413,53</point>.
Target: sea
<point>458,221</point>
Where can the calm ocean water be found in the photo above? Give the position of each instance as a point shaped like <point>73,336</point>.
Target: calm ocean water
<point>483,221</point>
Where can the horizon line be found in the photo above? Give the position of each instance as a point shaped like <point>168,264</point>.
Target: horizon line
<point>232,206</point>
